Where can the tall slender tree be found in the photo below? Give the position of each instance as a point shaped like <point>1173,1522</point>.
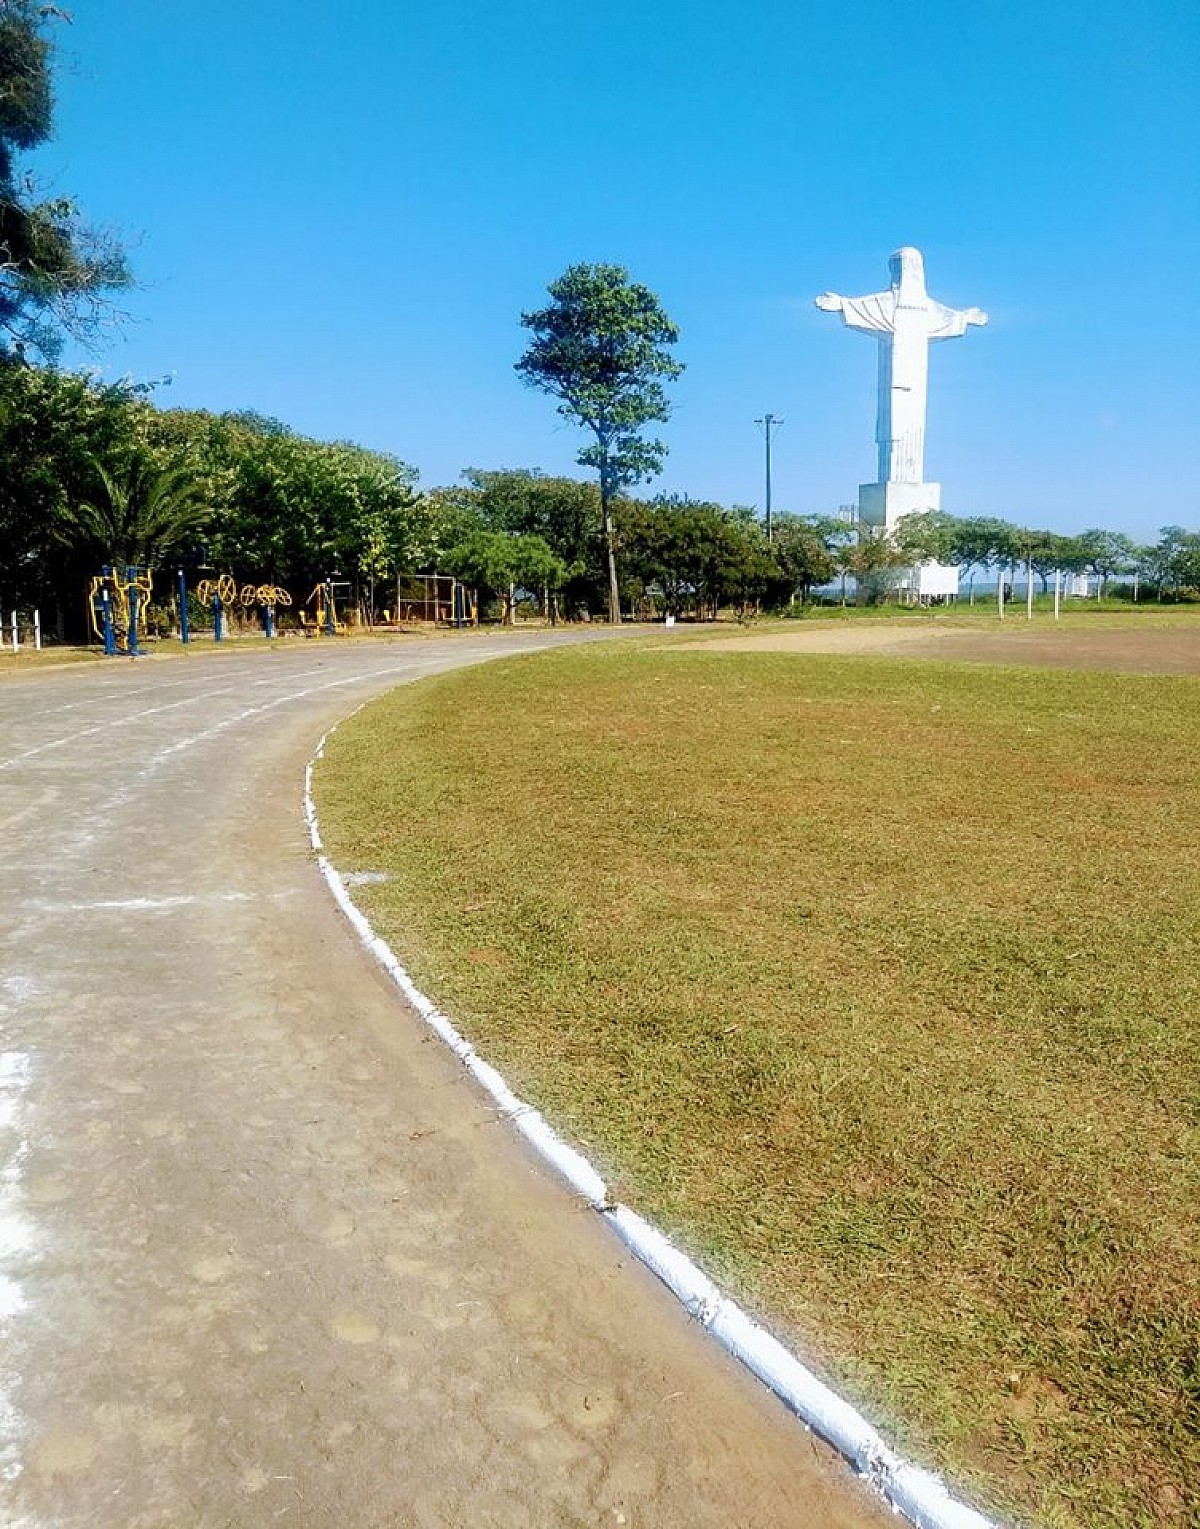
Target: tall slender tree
<point>600,348</point>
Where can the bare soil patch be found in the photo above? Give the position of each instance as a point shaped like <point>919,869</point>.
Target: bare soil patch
<point>1171,650</point>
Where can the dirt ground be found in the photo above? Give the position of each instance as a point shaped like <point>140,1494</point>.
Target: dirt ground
<point>1156,650</point>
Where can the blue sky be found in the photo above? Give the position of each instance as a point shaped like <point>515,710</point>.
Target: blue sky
<point>337,213</point>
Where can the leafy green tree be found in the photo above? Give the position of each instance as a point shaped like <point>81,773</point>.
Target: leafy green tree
<point>1107,553</point>
<point>874,559</point>
<point>1143,565</point>
<point>928,536</point>
<point>1048,551</point>
<point>601,349</point>
<point>54,427</point>
<point>1175,560</point>
<point>55,272</point>
<point>803,554</point>
<point>669,547</point>
<point>981,540</point>
<point>652,553</point>
<point>506,565</point>
<point>564,512</point>
<point>838,534</point>
<point>453,513</point>
<point>978,540</point>
<point>90,472</point>
<point>696,555</point>
<point>752,576</point>
<point>291,510</point>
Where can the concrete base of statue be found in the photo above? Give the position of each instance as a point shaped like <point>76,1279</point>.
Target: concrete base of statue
<point>886,504</point>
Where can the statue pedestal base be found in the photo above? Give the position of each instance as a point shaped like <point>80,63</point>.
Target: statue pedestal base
<point>885,504</point>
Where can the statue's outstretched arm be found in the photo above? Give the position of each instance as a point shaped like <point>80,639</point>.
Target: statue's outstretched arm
<point>948,323</point>
<point>874,314</point>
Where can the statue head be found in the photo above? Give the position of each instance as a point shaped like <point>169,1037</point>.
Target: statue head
<point>908,271</point>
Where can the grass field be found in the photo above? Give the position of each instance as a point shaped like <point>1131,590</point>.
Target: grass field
<point>874,981</point>
<point>28,657</point>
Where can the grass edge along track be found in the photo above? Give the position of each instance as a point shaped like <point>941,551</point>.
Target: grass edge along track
<point>870,981</point>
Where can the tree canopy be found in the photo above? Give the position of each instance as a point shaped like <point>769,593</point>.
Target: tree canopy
<point>55,271</point>
<point>601,349</point>
<point>507,564</point>
<point>92,471</point>
<point>138,516</point>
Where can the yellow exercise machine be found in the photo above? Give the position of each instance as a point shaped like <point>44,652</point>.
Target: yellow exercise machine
<point>117,597</point>
<point>222,593</point>
<point>323,603</point>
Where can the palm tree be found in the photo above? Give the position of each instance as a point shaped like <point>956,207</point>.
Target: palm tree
<point>139,516</point>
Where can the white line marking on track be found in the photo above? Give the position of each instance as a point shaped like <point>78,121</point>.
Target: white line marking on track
<point>409,670</point>
<point>918,1494</point>
<point>100,727</point>
<point>202,693</point>
<point>143,904</point>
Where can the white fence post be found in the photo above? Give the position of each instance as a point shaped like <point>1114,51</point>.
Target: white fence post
<point>15,637</point>
<point>37,630</point>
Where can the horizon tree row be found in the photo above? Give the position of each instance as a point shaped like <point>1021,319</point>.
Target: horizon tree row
<point>94,472</point>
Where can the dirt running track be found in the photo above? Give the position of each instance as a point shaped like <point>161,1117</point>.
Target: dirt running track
<point>265,1254</point>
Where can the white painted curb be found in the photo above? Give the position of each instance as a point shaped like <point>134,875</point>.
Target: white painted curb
<point>918,1494</point>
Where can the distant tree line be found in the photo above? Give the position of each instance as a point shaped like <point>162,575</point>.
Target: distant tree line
<point>543,537</point>
<point>1170,567</point>
<point>94,472</point>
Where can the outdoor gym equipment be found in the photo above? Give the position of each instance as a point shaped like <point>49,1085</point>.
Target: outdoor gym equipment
<point>437,598</point>
<point>267,597</point>
<point>218,593</point>
<point>323,600</point>
<point>222,593</point>
<point>116,599</point>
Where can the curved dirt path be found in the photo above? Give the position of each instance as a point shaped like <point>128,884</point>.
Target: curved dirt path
<point>265,1254</point>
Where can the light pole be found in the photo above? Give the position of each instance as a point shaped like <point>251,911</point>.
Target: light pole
<point>769,422</point>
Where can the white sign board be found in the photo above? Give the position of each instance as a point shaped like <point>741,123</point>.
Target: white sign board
<point>936,581</point>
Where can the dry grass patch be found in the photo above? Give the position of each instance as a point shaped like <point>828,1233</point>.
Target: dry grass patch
<point>28,657</point>
<point>875,982</point>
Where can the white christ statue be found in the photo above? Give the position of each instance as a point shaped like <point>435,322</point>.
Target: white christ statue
<point>903,319</point>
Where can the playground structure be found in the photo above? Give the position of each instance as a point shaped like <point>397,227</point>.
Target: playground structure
<point>218,594</point>
<point>221,588</point>
<point>116,600</point>
<point>437,598</point>
<point>268,597</point>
